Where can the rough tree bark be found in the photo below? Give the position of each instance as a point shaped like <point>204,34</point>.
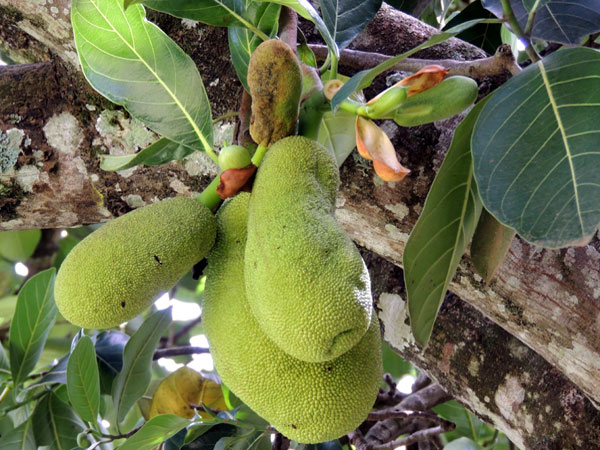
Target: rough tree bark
<point>53,127</point>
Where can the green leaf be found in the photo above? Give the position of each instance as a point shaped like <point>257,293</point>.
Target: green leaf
<point>345,19</point>
<point>155,431</point>
<point>57,374</point>
<point>21,438</point>
<point>160,152</point>
<point>563,21</point>
<point>336,134</point>
<point>19,245</point>
<point>242,41</point>
<point>534,5</point>
<point>485,35</point>
<point>442,232</point>
<point>306,10</point>
<point>535,150</point>
<point>218,13</point>
<point>55,425</point>
<point>133,63</point>
<point>463,443</point>
<point>7,308</point>
<point>490,244</point>
<point>83,381</point>
<point>364,78</point>
<point>134,378</point>
<point>393,363</point>
<point>34,316</point>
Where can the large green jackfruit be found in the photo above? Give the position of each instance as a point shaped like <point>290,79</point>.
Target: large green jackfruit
<point>118,271</point>
<point>305,280</point>
<point>307,402</point>
<point>275,83</point>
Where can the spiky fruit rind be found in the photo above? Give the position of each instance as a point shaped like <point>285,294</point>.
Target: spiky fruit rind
<point>118,271</point>
<point>307,402</point>
<point>305,280</point>
<point>275,83</point>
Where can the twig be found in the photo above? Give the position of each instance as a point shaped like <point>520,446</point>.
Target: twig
<point>288,26</point>
<point>417,436</point>
<point>503,60</point>
<point>178,351</point>
<point>114,437</point>
<point>172,340</point>
<point>509,17</point>
<point>395,413</point>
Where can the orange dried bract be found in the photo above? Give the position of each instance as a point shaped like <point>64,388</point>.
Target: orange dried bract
<point>236,180</point>
<point>424,79</point>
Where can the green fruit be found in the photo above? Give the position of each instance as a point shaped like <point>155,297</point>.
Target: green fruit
<point>83,440</point>
<point>234,157</point>
<point>450,97</point>
<point>305,280</point>
<point>119,270</point>
<point>307,402</point>
<point>275,83</point>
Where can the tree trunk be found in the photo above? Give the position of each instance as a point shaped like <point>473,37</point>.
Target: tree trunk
<point>54,127</point>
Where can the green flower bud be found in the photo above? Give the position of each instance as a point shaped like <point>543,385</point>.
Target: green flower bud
<point>444,100</point>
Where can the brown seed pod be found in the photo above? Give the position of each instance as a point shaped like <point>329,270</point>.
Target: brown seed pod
<point>275,82</point>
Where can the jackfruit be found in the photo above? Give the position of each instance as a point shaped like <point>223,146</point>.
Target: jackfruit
<point>275,83</point>
<point>306,282</point>
<point>184,387</point>
<point>118,271</point>
<point>307,402</point>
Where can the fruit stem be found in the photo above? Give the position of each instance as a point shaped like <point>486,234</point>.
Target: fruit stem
<point>259,155</point>
<point>209,196</point>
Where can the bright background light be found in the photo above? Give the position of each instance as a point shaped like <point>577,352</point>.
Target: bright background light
<point>21,269</point>
<point>186,311</point>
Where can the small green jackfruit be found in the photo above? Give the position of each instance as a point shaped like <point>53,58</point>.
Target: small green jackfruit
<point>275,83</point>
<point>306,282</point>
<point>307,402</point>
<point>118,271</point>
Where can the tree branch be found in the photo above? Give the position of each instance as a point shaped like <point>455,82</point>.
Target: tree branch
<point>178,351</point>
<point>502,61</point>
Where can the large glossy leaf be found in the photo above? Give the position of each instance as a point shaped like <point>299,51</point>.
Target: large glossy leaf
<point>307,10</point>
<point>442,232</point>
<point>160,152</point>
<point>57,374</point>
<point>83,382</point>
<point>242,41</point>
<point>34,316</point>
<point>109,349</point>
<point>484,35</point>
<point>364,78</point>
<point>133,379</point>
<point>536,154</point>
<point>21,438</point>
<point>133,63</point>
<point>19,245</point>
<point>345,19</point>
<point>155,431</point>
<point>490,244</point>
<point>564,21</point>
<point>219,13</point>
<point>55,425</point>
